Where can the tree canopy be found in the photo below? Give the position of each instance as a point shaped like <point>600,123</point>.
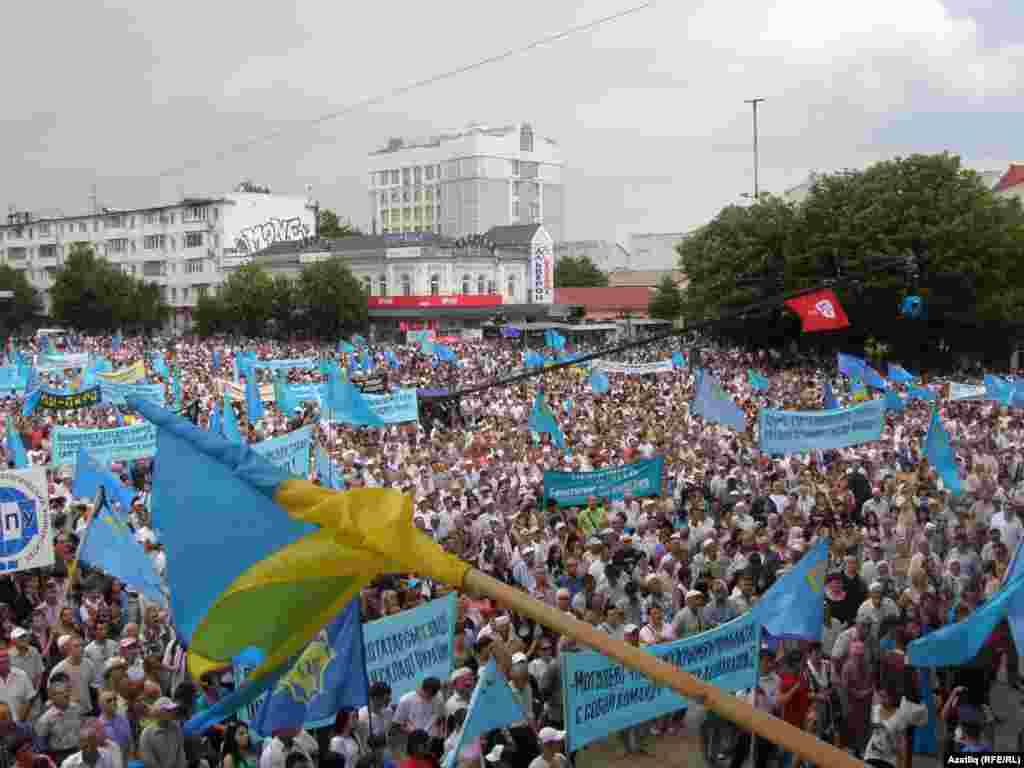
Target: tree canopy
<point>331,227</point>
<point>578,272</point>
<point>24,305</point>
<point>667,300</point>
<point>970,242</point>
<point>91,294</point>
<point>325,300</point>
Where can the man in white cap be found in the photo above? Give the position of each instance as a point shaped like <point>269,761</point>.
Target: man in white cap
<point>462,681</point>
<point>162,744</point>
<point>26,657</point>
<point>552,746</point>
<point>16,689</point>
<point>688,621</point>
<point>78,669</point>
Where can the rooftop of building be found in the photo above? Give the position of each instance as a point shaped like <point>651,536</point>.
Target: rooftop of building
<point>399,143</point>
<point>647,278</point>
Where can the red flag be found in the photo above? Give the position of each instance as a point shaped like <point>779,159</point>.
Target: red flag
<point>819,311</point>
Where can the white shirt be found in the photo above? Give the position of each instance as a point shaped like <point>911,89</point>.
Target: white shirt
<point>16,690</point>
<point>416,711</point>
<point>275,754</point>
<point>107,759</point>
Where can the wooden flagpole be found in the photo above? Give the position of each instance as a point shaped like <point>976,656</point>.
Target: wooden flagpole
<point>779,732</point>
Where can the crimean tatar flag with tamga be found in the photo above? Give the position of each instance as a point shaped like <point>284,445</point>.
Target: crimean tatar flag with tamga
<point>259,559</point>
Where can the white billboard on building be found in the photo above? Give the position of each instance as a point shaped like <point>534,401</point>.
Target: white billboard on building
<point>542,268</point>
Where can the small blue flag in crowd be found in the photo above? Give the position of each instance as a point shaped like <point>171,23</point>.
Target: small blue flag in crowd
<point>15,448</point>
<point>830,403</point>
<point>893,402</point>
<point>714,404</point>
<point>554,339</point>
<point>794,606</point>
<point>757,382</point>
<point>599,382</point>
<point>493,705</point>
<point>939,454</point>
<point>899,374</point>
<point>678,360</point>
<point>850,365</point>
<point>229,422</point>
<point>542,420</point>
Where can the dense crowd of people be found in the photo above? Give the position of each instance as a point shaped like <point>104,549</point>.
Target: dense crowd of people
<point>94,674</point>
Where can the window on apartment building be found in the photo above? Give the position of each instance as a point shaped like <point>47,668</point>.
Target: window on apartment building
<point>492,288</point>
<point>150,218</point>
<point>163,292</point>
<point>406,176</point>
<point>153,242</point>
<point>515,209</point>
<point>131,223</point>
<point>418,195</point>
<point>194,213</point>
<point>515,167</point>
<point>528,170</point>
<point>428,172</point>
<point>153,269</point>
<point>383,198</point>
<point>395,196</point>
<point>16,254</point>
<point>481,284</point>
<point>466,283</point>
<point>115,222</point>
<point>417,213</point>
<point>394,176</point>
<point>384,217</point>
<point>83,226</point>
<point>31,233</point>
<point>406,196</point>
<point>174,294</point>
<point>407,214</point>
<point>117,245</point>
<point>534,212</point>
<point>526,138</point>
<point>435,284</point>
<point>382,285</point>
<point>428,193</point>
<point>193,266</point>
<point>511,286</point>
<point>193,239</point>
<point>47,251</point>
<point>382,178</point>
<point>96,226</point>
<point>417,175</point>
<point>44,230</point>
<point>202,291</point>
<point>428,213</point>
<point>406,285</point>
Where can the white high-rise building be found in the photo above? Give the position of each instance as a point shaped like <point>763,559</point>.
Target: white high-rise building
<point>187,248</point>
<point>465,182</point>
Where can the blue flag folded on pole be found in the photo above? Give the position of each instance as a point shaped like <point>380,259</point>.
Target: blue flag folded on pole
<point>678,360</point>
<point>90,476</point>
<point>716,405</point>
<point>108,543</point>
<point>939,454</point>
<point>326,472</point>
<point>997,389</point>
<point>893,402</point>
<point>253,401</point>
<point>554,339</point>
<point>599,382</point>
<point>216,359</point>
<point>115,343</point>
<point>921,393</point>
<point>351,407</point>
<point>542,420</point>
<point>874,379</point>
<point>850,365</point>
<point>493,705</point>
<point>900,375</point>
<point>757,382</point>
<point>229,421</point>
<point>15,448</point>
<point>794,606</point>
<point>31,401</point>
<point>830,403</point>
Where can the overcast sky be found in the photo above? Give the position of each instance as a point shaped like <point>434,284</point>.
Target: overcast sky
<point>648,110</point>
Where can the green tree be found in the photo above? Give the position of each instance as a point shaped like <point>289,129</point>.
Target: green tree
<point>247,300</point>
<point>210,316</point>
<point>972,244</point>
<point>24,305</point>
<point>578,272</point>
<point>284,304</point>
<point>667,301</point>
<point>333,300</point>
<point>332,228</point>
<point>89,293</point>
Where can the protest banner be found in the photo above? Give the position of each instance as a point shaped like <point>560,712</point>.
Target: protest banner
<point>371,385</point>
<point>395,407</point>
<point>966,391</point>
<point>104,445</point>
<point>283,365</point>
<point>570,489</point>
<point>289,451</point>
<point>60,401</point>
<point>25,523</point>
<point>13,377</point>
<point>637,369</point>
<point>308,393</point>
<point>601,696</point>
<point>115,392</point>
<point>62,362</point>
<point>788,432</point>
<point>133,373</point>
<point>237,391</point>
<point>403,649</point>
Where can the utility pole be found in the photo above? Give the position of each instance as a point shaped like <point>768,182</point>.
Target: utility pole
<point>753,103</point>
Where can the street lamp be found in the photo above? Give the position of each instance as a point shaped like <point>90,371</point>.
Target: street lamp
<point>753,103</point>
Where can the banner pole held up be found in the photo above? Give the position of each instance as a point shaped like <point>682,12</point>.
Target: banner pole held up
<point>725,704</point>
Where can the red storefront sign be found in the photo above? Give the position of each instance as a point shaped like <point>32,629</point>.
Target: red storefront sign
<point>455,300</point>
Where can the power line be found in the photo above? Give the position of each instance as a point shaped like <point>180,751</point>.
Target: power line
<point>402,90</point>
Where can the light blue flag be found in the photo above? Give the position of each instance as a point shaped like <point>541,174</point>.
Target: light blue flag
<point>160,366</point>
<point>283,396</point>
<point>234,369</point>
<point>176,388</point>
<point>794,606</point>
<point>921,393</point>
<point>358,341</point>
<point>1013,573</point>
<point>900,375</point>
<point>216,359</point>
<point>392,361</point>
<point>326,472</point>
<point>345,347</point>
<point>88,378</point>
<point>31,401</point>
<point>599,382</point>
<point>328,676</point>
<point>493,705</point>
<point>534,360</point>
<point>678,360</point>
<point>757,382</point>
<point>115,343</point>
<point>253,401</point>
<point>893,402</point>
<point>90,476</point>
<point>352,408</point>
<point>215,421</point>
<point>103,365</point>
<point>957,644</point>
<point>445,354</point>
<point>15,448</point>
<point>716,405</point>
<point>554,339</point>
<point>874,379</point>
<point>229,422</point>
<point>940,455</point>
<point>109,544</point>
<point>830,403</point>
<point>850,365</point>
<point>365,361</point>
<point>997,389</point>
<point>543,421</point>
